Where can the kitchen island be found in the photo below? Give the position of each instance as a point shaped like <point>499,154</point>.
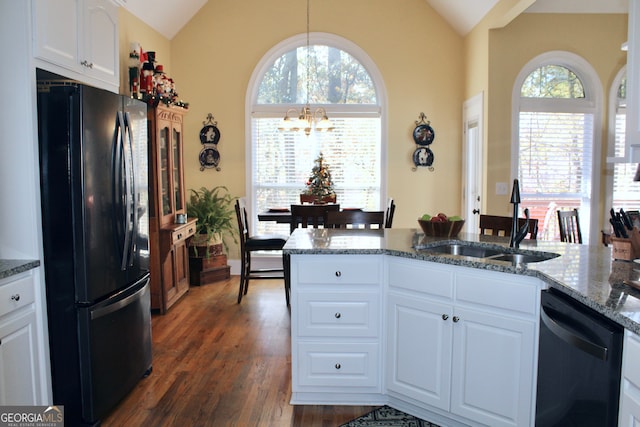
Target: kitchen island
<point>382,317</point>
<point>585,272</point>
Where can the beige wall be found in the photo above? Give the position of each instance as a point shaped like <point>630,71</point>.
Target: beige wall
<point>425,65</point>
<point>416,52</point>
<point>596,38</point>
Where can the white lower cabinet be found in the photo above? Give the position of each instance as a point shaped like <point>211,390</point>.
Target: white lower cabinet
<point>629,415</point>
<point>336,323</point>
<point>19,373</point>
<point>462,342</point>
<point>454,342</point>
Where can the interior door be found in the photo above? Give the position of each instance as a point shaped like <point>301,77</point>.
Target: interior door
<point>472,164</point>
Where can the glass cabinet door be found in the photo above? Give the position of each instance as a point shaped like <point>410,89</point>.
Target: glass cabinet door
<point>163,146</point>
<point>177,172</point>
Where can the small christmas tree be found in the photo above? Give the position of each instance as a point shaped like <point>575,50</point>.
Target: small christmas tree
<point>320,183</point>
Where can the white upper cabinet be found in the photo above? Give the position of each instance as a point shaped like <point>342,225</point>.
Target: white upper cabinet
<point>633,83</point>
<point>78,39</point>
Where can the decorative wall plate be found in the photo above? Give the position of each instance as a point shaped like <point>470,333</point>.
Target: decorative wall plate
<point>423,134</point>
<point>209,158</point>
<point>209,135</point>
<point>423,156</point>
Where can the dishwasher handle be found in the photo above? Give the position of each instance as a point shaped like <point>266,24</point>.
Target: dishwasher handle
<point>555,326</point>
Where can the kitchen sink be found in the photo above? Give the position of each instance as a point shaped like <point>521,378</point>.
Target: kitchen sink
<point>464,250</point>
<point>499,253</point>
<point>520,258</point>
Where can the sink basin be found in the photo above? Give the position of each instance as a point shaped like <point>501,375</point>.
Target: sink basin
<point>491,254</point>
<point>521,258</point>
<point>464,250</point>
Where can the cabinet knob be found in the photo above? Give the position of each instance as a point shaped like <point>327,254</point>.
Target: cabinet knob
<point>445,316</point>
<point>338,273</point>
<point>87,64</point>
<point>338,315</point>
<point>456,319</point>
<point>179,235</point>
<point>15,297</point>
<point>338,366</point>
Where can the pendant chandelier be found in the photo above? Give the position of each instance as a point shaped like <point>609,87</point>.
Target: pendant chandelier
<point>306,120</point>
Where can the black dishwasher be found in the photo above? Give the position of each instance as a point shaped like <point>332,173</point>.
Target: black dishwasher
<point>579,362</point>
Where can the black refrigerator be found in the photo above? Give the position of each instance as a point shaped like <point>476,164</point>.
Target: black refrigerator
<point>95,228</point>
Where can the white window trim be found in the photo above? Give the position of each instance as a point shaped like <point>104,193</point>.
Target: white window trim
<point>611,139</point>
<point>316,38</point>
<point>592,102</point>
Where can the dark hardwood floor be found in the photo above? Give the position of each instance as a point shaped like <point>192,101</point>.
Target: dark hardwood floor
<point>217,363</point>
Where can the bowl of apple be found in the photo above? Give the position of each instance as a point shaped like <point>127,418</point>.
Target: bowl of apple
<point>441,225</point>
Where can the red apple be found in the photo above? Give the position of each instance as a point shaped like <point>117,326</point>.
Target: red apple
<point>443,216</point>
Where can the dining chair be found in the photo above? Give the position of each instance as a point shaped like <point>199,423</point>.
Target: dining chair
<point>388,215</point>
<point>306,216</point>
<point>354,219</point>
<point>569,226</point>
<point>253,243</point>
<point>501,225</point>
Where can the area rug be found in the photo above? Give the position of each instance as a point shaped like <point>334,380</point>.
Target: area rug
<point>387,416</point>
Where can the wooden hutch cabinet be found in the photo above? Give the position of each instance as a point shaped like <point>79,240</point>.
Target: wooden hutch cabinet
<point>169,251</point>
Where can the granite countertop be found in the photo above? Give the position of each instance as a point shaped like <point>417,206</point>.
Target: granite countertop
<point>585,272</point>
<point>11,267</point>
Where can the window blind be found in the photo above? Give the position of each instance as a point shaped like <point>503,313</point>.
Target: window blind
<point>282,163</point>
<point>555,164</point>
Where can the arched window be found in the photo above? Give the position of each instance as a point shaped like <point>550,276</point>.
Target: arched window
<point>555,98</point>
<point>337,76</point>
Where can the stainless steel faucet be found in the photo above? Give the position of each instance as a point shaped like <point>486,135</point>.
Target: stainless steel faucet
<point>517,235</point>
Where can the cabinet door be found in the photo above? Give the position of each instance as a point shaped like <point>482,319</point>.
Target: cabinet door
<point>164,171</point>
<point>168,279</point>
<point>100,42</point>
<point>492,371</point>
<point>56,27</point>
<point>176,171</point>
<point>419,349</point>
<point>181,253</point>
<point>18,352</point>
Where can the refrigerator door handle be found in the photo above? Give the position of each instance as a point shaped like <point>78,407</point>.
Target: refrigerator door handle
<point>132,185</point>
<point>122,206</point>
<point>107,309</point>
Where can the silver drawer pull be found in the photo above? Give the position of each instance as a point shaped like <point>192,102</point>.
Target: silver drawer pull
<point>445,316</point>
<point>338,366</point>
<point>338,274</point>
<point>15,297</point>
<point>338,315</point>
<point>456,319</point>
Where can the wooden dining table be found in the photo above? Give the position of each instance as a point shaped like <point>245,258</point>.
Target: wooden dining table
<point>282,215</point>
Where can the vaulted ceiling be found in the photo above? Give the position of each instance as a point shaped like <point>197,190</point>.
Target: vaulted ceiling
<point>169,16</point>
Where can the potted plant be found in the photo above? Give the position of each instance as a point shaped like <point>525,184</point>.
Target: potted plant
<point>215,211</point>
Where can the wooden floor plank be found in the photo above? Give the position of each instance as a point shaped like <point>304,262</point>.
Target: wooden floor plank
<point>217,363</point>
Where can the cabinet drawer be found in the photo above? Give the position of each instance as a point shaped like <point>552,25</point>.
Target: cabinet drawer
<point>338,364</point>
<point>327,269</point>
<point>182,233</point>
<point>339,314</point>
<point>420,276</point>
<point>16,294</point>
<point>519,294</point>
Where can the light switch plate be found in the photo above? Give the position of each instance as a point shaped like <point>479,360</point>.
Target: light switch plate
<point>501,189</point>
